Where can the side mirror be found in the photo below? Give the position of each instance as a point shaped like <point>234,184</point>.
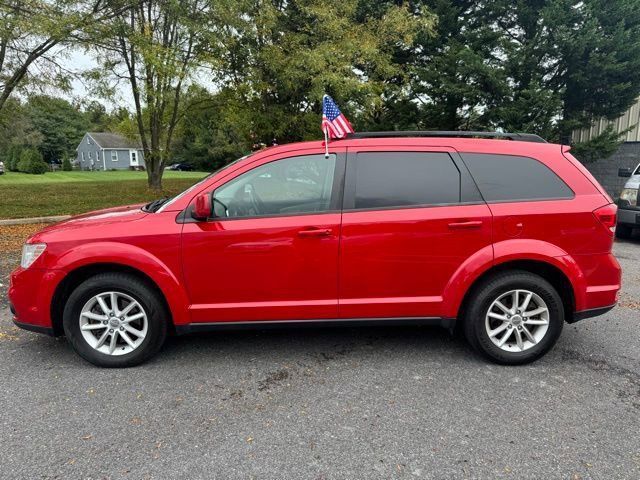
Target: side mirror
<point>624,172</point>
<point>202,207</point>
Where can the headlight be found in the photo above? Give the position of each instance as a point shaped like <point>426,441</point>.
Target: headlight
<point>30,253</point>
<point>629,196</point>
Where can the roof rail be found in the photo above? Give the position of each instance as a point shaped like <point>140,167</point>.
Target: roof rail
<point>522,137</point>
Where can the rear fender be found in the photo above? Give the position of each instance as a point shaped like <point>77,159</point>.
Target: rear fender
<point>510,251</point>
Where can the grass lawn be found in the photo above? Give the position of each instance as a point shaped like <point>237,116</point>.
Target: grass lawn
<point>60,193</point>
<point>14,178</point>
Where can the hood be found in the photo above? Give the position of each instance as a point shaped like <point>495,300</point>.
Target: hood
<point>633,182</point>
<point>102,217</point>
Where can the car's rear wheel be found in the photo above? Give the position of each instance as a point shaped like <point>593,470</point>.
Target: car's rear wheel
<point>514,317</point>
<point>623,231</point>
<point>115,320</point>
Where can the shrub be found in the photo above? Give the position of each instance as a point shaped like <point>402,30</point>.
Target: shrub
<point>31,162</point>
<point>66,165</point>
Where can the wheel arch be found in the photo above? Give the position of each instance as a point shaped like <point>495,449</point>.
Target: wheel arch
<point>551,273</point>
<point>535,256</point>
<point>81,273</point>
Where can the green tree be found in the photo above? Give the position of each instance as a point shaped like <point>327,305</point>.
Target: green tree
<point>157,46</point>
<point>569,62</point>
<point>16,132</point>
<point>31,162</point>
<point>13,157</point>
<point>60,124</point>
<point>66,165</point>
<point>456,78</point>
<point>283,56</point>
<point>31,32</point>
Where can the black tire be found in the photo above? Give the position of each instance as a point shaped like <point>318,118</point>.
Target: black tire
<point>623,231</point>
<point>147,297</point>
<point>492,288</point>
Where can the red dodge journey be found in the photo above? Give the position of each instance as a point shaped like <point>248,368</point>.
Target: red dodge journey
<point>502,236</point>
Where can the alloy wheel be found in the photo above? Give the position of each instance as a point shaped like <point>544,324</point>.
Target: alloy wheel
<point>517,320</point>
<point>113,323</point>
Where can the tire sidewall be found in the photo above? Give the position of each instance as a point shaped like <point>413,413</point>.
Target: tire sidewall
<point>494,289</point>
<point>128,285</point>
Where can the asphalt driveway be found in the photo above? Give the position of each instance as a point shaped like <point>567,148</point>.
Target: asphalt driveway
<point>325,404</point>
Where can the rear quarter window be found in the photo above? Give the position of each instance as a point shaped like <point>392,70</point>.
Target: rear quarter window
<point>505,178</point>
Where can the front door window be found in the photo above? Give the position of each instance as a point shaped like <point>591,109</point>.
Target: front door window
<point>290,186</point>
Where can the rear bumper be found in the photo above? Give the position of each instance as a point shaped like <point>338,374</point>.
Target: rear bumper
<point>599,283</point>
<point>30,295</point>
<point>594,312</point>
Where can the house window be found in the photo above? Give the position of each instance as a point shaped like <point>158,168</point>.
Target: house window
<point>97,155</point>
<point>114,156</point>
<point>90,155</point>
<point>82,156</point>
<point>88,141</point>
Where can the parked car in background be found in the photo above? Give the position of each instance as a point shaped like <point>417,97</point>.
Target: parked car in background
<point>504,235</point>
<point>182,167</point>
<point>1,168</point>
<point>628,208</point>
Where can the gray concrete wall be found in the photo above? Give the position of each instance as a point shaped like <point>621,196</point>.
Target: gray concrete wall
<point>606,171</point>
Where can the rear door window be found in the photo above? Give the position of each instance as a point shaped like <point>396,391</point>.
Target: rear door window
<point>505,178</point>
<point>402,179</point>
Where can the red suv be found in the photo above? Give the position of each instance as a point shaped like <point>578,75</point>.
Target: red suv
<point>505,235</point>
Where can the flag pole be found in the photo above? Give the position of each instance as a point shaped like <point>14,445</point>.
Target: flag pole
<point>326,142</point>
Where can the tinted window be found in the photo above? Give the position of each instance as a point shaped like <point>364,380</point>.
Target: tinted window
<point>283,187</point>
<point>398,179</point>
<point>506,177</point>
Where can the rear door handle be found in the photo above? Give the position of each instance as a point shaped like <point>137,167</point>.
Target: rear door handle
<point>314,232</point>
<point>465,225</point>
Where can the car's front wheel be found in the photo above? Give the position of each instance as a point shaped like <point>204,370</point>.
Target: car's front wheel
<point>115,320</point>
<point>514,317</point>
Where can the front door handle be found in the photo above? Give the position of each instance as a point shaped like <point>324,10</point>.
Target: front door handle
<point>465,225</point>
<point>314,232</point>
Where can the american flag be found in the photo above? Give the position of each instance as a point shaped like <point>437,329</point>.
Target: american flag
<point>333,120</point>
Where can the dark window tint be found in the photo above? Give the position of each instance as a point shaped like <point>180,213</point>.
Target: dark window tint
<point>397,179</point>
<point>506,177</point>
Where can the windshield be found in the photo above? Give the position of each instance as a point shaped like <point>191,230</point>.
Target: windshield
<point>168,202</point>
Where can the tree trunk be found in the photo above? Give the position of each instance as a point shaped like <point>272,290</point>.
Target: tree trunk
<point>154,170</point>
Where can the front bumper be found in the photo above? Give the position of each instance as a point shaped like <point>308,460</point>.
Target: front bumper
<point>30,294</point>
<point>628,216</point>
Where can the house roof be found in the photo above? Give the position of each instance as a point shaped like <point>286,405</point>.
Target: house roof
<point>113,140</point>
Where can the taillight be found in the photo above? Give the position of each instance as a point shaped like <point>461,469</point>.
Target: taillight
<point>607,216</point>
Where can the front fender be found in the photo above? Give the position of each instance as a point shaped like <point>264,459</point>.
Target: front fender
<point>133,257</point>
<point>509,251</point>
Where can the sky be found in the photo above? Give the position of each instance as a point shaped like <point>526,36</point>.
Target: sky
<point>79,61</point>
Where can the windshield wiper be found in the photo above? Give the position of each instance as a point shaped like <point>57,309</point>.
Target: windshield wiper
<point>155,205</point>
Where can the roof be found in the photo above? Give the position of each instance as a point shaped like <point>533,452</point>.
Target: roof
<point>113,140</point>
<point>460,144</point>
<point>523,137</point>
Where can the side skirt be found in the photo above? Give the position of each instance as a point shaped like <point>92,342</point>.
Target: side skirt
<point>448,323</point>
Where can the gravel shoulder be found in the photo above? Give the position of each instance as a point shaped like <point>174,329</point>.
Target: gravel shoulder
<point>327,403</point>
